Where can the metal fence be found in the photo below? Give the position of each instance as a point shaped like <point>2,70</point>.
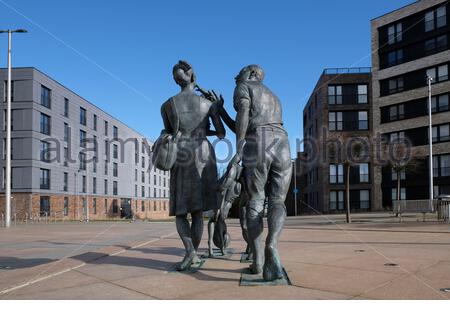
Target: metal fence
<point>413,206</point>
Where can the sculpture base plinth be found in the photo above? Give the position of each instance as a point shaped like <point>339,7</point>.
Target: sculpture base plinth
<point>192,269</point>
<point>217,254</point>
<point>253,280</point>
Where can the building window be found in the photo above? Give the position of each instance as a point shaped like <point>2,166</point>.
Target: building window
<point>396,112</point>
<point>396,85</point>
<point>143,177</point>
<point>5,91</point>
<point>439,103</point>
<point>334,94</point>
<point>336,200</point>
<point>66,181</point>
<point>143,162</point>
<point>66,156</point>
<point>362,94</point>
<point>397,137</point>
<point>94,185</point>
<point>83,184</point>
<point>336,173</point>
<point>106,148</point>
<point>143,192</point>
<point>436,44</point>
<point>82,116</point>
<point>438,74</point>
<point>82,138</point>
<point>106,168</point>
<point>435,19</point>
<point>395,33</point>
<point>441,133</point>
<point>45,179</point>
<point>363,172</point>
<point>115,207</point>
<point>82,158</point>
<point>66,206</point>
<point>95,122</point>
<point>115,133</point>
<point>115,151</point>
<point>135,175</point>
<point>395,57</point>
<point>335,121</point>
<point>66,107</point>
<point>44,206</point>
<point>363,123</point>
<point>66,132</point>
<point>45,124</point>
<point>94,205</point>
<point>394,174</point>
<point>45,151</point>
<point>106,206</point>
<point>45,97</point>
<point>105,186</point>
<point>115,188</point>
<point>106,127</point>
<point>402,194</point>
<point>135,190</point>
<point>364,199</point>
<point>115,170</point>
<point>441,165</point>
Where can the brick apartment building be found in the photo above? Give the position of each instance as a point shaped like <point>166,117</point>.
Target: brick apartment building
<point>338,116</point>
<point>71,159</point>
<point>408,45</point>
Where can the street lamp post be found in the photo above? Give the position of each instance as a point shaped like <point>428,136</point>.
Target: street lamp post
<point>430,143</point>
<point>295,186</point>
<point>8,132</point>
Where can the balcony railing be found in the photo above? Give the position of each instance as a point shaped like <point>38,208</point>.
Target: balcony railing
<point>361,70</point>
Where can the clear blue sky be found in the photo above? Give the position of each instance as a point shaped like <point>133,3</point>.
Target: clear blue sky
<point>119,54</point>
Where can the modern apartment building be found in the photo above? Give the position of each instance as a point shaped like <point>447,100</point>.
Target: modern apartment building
<point>71,159</point>
<point>409,45</point>
<point>338,118</point>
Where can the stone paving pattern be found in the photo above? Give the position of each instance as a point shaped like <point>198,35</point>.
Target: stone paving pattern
<point>324,258</point>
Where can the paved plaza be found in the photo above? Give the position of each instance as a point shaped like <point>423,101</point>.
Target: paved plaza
<point>376,257</point>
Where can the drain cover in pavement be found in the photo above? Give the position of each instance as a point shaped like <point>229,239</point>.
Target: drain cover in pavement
<point>360,250</point>
<point>447,290</point>
<point>390,264</point>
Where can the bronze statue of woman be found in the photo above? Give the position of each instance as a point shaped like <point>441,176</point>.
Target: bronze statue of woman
<point>193,178</point>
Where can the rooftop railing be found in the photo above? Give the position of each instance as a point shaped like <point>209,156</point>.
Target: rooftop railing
<point>360,70</point>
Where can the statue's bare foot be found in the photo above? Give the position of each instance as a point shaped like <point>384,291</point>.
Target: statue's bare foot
<point>189,259</point>
<point>250,256</point>
<point>210,252</point>
<point>272,269</point>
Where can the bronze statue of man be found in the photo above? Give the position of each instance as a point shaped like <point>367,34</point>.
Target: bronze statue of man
<point>193,178</point>
<point>266,158</point>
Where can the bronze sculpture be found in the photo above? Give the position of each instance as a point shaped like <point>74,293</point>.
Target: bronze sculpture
<point>194,173</point>
<point>264,146</point>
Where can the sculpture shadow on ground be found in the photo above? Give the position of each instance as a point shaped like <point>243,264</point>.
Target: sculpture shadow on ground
<point>7,263</point>
<point>97,258</point>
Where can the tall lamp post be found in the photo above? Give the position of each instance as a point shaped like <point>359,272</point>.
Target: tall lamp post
<point>8,131</point>
<point>430,143</point>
